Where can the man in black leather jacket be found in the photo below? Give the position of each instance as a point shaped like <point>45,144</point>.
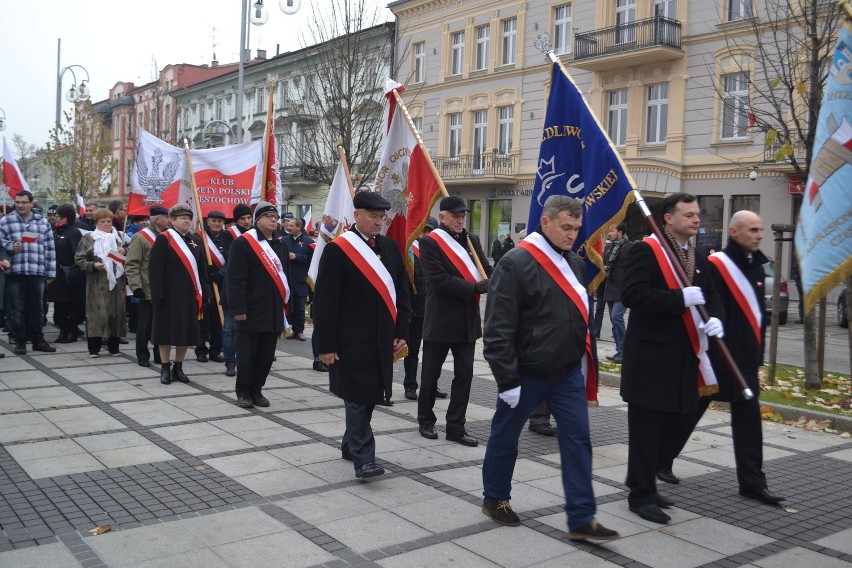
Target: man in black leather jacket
<point>539,346</point>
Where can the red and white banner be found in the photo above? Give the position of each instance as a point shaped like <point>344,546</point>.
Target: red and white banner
<point>12,176</point>
<point>224,176</point>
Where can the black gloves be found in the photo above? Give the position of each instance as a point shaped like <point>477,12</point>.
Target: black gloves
<point>481,287</point>
<point>139,294</point>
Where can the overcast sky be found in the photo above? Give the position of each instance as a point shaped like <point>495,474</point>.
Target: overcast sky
<point>117,40</point>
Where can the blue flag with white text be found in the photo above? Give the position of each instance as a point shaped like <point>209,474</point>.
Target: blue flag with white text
<point>577,159</point>
<point>824,230</point>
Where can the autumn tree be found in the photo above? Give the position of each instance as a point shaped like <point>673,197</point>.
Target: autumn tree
<point>80,154</point>
<point>25,152</point>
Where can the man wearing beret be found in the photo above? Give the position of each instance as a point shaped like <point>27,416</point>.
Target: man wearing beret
<point>361,318</point>
<point>452,321</point>
<point>211,325</point>
<point>136,270</point>
<point>258,290</point>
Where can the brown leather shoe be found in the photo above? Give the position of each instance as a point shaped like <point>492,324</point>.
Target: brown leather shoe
<point>260,400</point>
<point>245,402</point>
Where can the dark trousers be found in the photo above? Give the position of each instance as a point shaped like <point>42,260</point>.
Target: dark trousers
<point>600,305</point>
<point>747,432</point>
<point>211,330</point>
<point>540,415</point>
<point>296,316</point>
<point>648,430</point>
<point>434,355</point>
<point>67,316</point>
<point>567,400</point>
<point>229,342</point>
<point>255,351</point>
<point>412,360</point>
<point>95,344</point>
<point>358,438</point>
<point>24,304</point>
<point>132,307</point>
<point>144,320</point>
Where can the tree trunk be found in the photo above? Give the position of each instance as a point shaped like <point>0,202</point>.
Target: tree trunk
<point>812,378</point>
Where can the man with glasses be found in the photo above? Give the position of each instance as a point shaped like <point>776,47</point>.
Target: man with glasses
<point>28,239</point>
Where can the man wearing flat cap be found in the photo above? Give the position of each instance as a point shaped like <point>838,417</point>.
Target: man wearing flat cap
<point>258,289</point>
<point>361,318</point>
<point>211,325</point>
<point>452,321</point>
<point>136,270</point>
<point>179,288</point>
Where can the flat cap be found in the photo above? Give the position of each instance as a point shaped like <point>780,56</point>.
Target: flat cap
<point>370,200</point>
<point>216,215</point>
<point>157,210</point>
<point>453,204</point>
<point>179,210</point>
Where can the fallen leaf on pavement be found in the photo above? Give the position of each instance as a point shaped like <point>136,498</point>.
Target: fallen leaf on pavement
<point>100,530</point>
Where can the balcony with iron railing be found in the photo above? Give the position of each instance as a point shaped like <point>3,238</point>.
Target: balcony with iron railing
<point>772,153</point>
<point>485,165</point>
<point>641,42</point>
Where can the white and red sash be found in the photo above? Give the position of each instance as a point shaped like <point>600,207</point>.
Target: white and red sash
<point>456,254</point>
<point>742,291</point>
<point>215,254</point>
<point>185,255</point>
<point>148,235</point>
<point>234,230</point>
<point>707,383</point>
<point>270,262</point>
<point>354,247</point>
<point>415,248</point>
<point>557,268</point>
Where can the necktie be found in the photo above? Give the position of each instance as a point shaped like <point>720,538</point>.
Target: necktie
<point>372,242</point>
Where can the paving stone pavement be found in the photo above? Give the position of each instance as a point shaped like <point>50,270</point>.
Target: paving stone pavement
<point>187,478</point>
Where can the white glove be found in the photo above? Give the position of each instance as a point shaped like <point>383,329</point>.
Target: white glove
<point>692,296</point>
<point>511,396</point>
<point>713,328</point>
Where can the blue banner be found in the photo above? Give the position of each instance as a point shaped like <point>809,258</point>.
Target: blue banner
<point>577,159</point>
<point>824,230</point>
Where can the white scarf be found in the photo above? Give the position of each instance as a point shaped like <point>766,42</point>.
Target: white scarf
<point>104,243</point>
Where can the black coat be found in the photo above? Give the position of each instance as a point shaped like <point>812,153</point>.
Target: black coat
<point>452,305</point>
<point>301,247</point>
<point>746,351</point>
<point>660,370</point>
<point>67,238</point>
<point>173,292</point>
<point>252,291</point>
<point>351,319</point>
<point>612,290</point>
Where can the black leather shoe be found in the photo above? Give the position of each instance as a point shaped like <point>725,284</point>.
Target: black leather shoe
<point>428,432</point>
<point>216,357</point>
<point>260,400</point>
<point>368,470</point>
<point>411,394</point>
<point>178,374</point>
<point>440,394</point>
<point>43,345</point>
<point>667,476</point>
<point>344,453</point>
<point>20,349</point>
<point>201,358</point>
<point>664,502</point>
<point>543,429</point>
<point>651,513</point>
<point>386,402</point>
<point>763,495</point>
<point>320,367</point>
<point>245,402</point>
<point>463,439</point>
<point>166,373</point>
<point>122,341</point>
<point>144,362</point>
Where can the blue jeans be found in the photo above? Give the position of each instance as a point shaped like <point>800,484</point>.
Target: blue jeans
<point>616,317</point>
<point>24,307</point>
<point>229,344</point>
<point>567,401</point>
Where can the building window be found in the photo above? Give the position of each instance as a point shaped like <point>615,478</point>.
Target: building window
<point>745,203</point>
<point>709,237</point>
<point>455,135</point>
<point>129,175</point>
<point>506,124</point>
<point>260,107</point>
<point>739,10</point>
<point>482,36</point>
<point>480,135</point>
<point>665,8</point>
<point>219,106</point>
<point>510,33</point>
<point>419,62</point>
<point>625,15</point>
<point>499,219</point>
<point>734,105</point>
<point>658,113</point>
<point>457,53</point>
<point>418,124</point>
<point>617,119</point>
<point>562,29</point>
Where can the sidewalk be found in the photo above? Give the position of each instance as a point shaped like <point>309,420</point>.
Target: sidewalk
<point>186,478</point>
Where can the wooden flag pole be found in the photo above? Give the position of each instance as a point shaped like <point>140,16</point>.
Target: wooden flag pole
<point>435,173</point>
<point>342,153</point>
<point>199,225</point>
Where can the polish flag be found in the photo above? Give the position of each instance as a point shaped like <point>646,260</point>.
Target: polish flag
<point>117,257</point>
<point>81,206</point>
<point>752,120</point>
<point>12,176</point>
<point>309,219</point>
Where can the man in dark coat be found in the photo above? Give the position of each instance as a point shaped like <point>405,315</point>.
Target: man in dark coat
<point>68,290</point>
<point>210,323</point>
<point>452,321</point>
<point>257,293</point>
<point>179,288</point>
<point>615,263</point>
<point>660,377</point>
<point>361,318</point>
<point>737,272</point>
<point>300,252</point>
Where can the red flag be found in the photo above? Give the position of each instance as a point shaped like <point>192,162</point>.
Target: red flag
<point>752,120</point>
<point>81,206</point>
<point>271,175</point>
<point>12,176</point>
<point>412,191</point>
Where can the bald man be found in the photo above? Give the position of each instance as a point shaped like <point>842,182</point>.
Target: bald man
<point>737,273</point>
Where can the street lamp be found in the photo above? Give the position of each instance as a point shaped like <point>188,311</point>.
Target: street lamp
<point>75,93</point>
<point>2,120</point>
<point>259,16</point>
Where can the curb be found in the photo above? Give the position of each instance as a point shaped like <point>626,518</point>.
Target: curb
<point>793,413</point>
